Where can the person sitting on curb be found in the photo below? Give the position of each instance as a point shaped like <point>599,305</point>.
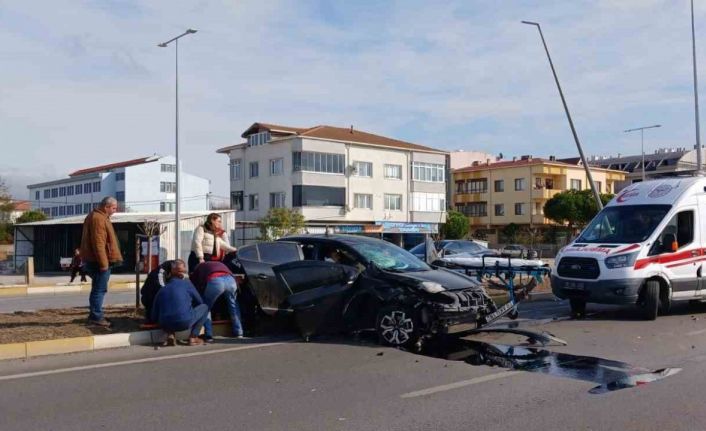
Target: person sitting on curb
<point>212,279</point>
<point>157,279</point>
<point>178,307</point>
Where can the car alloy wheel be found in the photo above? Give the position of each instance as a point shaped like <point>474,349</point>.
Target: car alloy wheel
<point>396,327</point>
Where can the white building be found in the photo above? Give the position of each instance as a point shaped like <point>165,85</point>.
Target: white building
<point>339,176</point>
<point>147,184</point>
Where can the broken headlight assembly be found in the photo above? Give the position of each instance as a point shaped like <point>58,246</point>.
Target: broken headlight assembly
<point>432,287</point>
<point>621,261</point>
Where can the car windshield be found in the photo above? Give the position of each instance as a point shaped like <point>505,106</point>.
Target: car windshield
<point>389,256</point>
<point>624,224</point>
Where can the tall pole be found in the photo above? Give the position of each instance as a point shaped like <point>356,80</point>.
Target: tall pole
<point>642,142</point>
<point>696,93</point>
<point>596,195</point>
<point>177,206</point>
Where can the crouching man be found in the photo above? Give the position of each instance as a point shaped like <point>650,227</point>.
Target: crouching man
<point>178,307</point>
<point>157,279</point>
<point>213,279</point>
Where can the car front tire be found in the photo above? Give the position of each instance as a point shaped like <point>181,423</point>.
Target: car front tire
<point>649,300</point>
<point>397,326</point>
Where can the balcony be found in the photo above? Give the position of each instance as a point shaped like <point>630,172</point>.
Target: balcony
<point>544,194</point>
<point>463,197</point>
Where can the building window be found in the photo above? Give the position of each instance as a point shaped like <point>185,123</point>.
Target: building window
<point>96,186</point>
<point>276,167</point>
<point>475,209</point>
<point>236,200</point>
<point>393,172</point>
<point>317,196</point>
<point>46,211</point>
<point>575,184</point>
<point>120,176</point>
<point>77,209</point>
<point>62,191</point>
<point>254,202</point>
<point>62,211</point>
<point>538,208</point>
<point>86,208</point>
<point>477,186</point>
<point>163,168</point>
<point>254,169</point>
<point>499,209</point>
<point>120,196</point>
<point>428,172</point>
<point>277,200</point>
<point>70,210</point>
<point>70,191</point>
<point>87,188</point>
<point>235,169</point>
<point>36,195</point>
<point>54,211</point>
<point>363,169</point>
<point>167,187</point>
<point>499,185</point>
<point>55,193</point>
<point>167,207</point>
<point>519,209</point>
<point>363,201</point>
<point>519,184</point>
<point>318,162</point>
<point>393,202</point>
<point>429,202</point>
<point>258,139</point>
<point>78,188</point>
<point>599,186</point>
<point>47,194</point>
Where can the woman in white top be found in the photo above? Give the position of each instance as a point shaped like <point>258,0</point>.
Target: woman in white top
<point>209,242</point>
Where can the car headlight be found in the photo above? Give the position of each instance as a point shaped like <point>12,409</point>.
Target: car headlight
<point>432,287</point>
<point>621,261</point>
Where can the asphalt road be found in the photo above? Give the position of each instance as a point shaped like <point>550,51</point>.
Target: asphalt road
<point>61,300</point>
<point>341,383</point>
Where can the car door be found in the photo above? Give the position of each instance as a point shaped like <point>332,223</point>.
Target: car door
<point>318,291</point>
<point>681,265</point>
<point>258,261</point>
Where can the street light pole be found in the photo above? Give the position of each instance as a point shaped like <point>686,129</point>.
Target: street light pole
<point>596,194</point>
<point>177,206</point>
<point>642,143</point>
<point>696,93</point>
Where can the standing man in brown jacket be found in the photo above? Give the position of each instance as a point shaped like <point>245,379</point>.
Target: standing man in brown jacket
<point>100,250</point>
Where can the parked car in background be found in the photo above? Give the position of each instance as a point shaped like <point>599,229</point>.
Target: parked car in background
<point>333,283</point>
<point>450,247</point>
<point>518,251</point>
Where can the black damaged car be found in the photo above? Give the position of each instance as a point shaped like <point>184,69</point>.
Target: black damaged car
<point>333,283</point>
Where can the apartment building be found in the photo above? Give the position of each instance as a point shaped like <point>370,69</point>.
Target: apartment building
<point>494,195</point>
<point>663,162</point>
<point>147,184</point>
<point>339,176</point>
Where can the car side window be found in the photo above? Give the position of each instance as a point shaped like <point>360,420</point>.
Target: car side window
<point>278,252</point>
<point>248,252</point>
<point>307,277</point>
<point>681,226</point>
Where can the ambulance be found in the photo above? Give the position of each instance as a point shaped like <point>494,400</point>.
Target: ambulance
<point>647,247</point>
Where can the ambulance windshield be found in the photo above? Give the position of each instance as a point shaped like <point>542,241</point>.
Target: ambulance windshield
<point>624,224</point>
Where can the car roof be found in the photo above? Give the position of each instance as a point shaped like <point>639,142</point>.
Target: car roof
<point>346,239</point>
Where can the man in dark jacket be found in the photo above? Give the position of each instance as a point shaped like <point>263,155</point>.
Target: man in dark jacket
<point>178,307</point>
<point>213,279</point>
<point>157,279</point>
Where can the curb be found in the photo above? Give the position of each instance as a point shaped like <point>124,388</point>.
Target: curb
<point>92,343</point>
<point>59,290</point>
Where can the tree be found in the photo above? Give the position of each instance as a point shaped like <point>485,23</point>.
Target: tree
<point>6,207</point>
<point>573,208</point>
<point>31,216</point>
<point>456,226</point>
<point>510,232</point>
<point>280,222</point>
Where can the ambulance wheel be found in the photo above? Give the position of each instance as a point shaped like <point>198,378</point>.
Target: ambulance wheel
<point>578,308</point>
<point>649,300</point>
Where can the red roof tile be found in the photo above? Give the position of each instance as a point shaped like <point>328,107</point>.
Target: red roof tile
<point>105,168</point>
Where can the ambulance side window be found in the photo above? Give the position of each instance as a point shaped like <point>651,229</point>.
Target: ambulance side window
<point>681,226</point>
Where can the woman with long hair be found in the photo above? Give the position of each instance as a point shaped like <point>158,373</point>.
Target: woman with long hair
<point>209,243</point>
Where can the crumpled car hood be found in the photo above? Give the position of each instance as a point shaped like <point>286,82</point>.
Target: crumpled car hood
<point>448,279</point>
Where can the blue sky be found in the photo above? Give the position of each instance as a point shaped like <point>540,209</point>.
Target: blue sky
<point>84,82</point>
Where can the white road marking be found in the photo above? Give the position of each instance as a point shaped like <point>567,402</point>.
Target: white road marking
<point>698,332</point>
<point>136,361</point>
<point>462,383</point>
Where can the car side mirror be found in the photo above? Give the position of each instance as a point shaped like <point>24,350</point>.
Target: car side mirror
<point>670,244</point>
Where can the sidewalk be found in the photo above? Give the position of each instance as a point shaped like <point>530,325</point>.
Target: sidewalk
<point>13,285</point>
